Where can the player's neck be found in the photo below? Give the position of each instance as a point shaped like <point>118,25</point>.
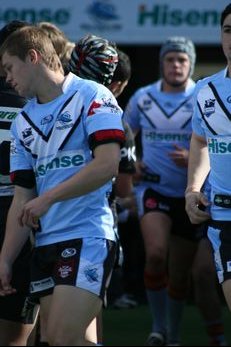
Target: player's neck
<point>50,88</point>
<point>172,88</point>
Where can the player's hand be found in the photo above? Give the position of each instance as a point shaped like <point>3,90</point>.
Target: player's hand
<point>179,155</point>
<point>32,211</point>
<point>195,205</point>
<point>5,279</point>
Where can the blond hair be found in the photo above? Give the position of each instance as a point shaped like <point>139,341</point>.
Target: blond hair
<point>56,36</point>
<point>32,37</point>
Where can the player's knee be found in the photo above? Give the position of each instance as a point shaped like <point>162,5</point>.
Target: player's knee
<point>155,282</point>
<point>156,260</point>
<point>178,292</point>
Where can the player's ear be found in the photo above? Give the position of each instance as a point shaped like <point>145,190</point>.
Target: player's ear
<point>33,56</point>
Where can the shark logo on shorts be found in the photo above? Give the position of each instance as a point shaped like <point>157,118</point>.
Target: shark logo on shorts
<point>91,274</point>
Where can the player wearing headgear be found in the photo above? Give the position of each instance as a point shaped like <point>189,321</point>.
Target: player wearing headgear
<point>162,112</point>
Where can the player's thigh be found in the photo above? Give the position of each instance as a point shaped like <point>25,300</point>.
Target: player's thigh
<point>45,303</point>
<point>181,256</point>
<point>155,228</point>
<point>71,310</point>
<point>204,261</point>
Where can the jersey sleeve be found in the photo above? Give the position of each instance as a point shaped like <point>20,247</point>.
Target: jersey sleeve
<point>104,119</point>
<point>197,112</point>
<point>19,159</point>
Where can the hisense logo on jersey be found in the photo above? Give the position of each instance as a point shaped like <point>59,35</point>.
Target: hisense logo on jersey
<point>219,146</point>
<point>166,137</point>
<point>62,162</point>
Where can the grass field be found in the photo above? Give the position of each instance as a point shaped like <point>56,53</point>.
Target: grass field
<point>130,327</point>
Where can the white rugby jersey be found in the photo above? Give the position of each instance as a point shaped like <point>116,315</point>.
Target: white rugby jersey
<point>52,139</point>
<point>164,119</point>
<point>212,120</point>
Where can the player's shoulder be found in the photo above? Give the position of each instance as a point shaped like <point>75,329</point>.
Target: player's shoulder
<point>144,90</point>
<point>217,77</point>
<point>86,86</point>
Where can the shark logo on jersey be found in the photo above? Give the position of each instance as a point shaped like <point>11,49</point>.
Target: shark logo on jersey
<point>65,120</point>
<point>209,107</point>
<point>28,137</point>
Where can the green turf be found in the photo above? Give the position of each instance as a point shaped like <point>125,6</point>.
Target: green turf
<point>130,327</point>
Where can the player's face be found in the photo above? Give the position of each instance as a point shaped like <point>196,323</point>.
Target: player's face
<point>17,74</point>
<point>176,68</point>
<point>226,38</point>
